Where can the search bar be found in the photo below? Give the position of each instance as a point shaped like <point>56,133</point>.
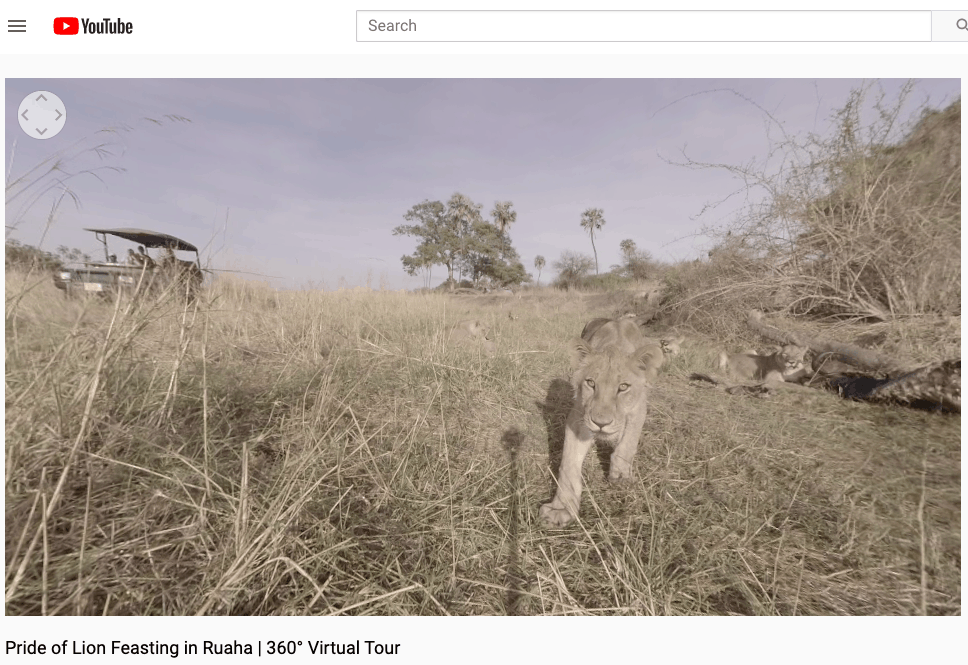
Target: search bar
<point>644,26</point>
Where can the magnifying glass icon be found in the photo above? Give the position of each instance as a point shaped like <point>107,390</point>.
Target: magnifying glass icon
<point>962,24</point>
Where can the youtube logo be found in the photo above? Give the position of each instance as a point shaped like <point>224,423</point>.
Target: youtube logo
<point>66,25</point>
<point>70,25</point>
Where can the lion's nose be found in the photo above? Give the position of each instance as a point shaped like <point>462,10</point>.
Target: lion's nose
<point>601,422</point>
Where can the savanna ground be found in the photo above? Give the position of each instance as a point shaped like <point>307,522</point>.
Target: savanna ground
<point>331,453</point>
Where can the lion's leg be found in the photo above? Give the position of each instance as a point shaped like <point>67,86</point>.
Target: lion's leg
<point>620,467</point>
<point>773,377</point>
<point>564,507</point>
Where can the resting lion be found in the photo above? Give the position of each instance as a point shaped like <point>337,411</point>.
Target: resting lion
<point>614,364</point>
<point>471,331</point>
<point>786,365</point>
<point>672,345</point>
<point>669,345</point>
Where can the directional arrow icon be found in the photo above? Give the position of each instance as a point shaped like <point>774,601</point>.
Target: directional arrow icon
<point>42,114</point>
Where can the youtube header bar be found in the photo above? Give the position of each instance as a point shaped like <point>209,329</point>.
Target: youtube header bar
<point>212,31</point>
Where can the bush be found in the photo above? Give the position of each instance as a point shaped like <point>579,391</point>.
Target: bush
<point>572,268</point>
<point>606,282</point>
<point>864,223</point>
<point>886,240</point>
<point>27,257</point>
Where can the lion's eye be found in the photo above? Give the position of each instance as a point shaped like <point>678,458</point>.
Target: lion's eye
<point>623,387</point>
<point>590,383</point>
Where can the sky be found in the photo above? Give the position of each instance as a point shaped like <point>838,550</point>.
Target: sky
<point>299,182</point>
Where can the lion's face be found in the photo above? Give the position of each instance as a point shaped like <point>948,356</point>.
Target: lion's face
<point>470,329</point>
<point>671,346</point>
<point>612,388</point>
<point>791,357</point>
<point>478,330</point>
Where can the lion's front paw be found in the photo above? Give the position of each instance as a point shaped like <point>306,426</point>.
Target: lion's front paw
<point>619,473</point>
<point>620,477</point>
<point>555,516</point>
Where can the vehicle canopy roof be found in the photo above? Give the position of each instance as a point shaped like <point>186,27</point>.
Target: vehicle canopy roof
<point>149,238</point>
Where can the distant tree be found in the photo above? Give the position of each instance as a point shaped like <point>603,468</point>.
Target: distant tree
<point>442,231</point>
<point>572,268</point>
<point>437,240</point>
<point>592,220</point>
<point>456,236</point>
<point>463,214</point>
<point>72,254</point>
<point>628,250</point>
<point>491,259</point>
<point>506,274</point>
<point>638,264</point>
<point>539,263</point>
<point>642,265</point>
<point>503,216</point>
<point>28,257</point>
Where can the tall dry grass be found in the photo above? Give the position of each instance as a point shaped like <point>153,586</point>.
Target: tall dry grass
<point>262,452</point>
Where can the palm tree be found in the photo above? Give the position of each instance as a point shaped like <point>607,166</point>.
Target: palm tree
<point>539,263</point>
<point>591,221</point>
<point>628,250</point>
<point>503,217</point>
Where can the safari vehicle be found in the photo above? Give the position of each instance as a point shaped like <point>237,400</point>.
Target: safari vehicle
<point>138,271</point>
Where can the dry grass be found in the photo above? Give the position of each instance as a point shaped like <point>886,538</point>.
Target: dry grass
<point>861,223</point>
<point>329,453</point>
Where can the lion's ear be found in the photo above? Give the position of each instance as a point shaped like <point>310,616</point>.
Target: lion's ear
<point>649,359</point>
<point>579,351</point>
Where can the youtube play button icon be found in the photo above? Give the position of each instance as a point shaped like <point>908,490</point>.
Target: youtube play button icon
<point>66,25</point>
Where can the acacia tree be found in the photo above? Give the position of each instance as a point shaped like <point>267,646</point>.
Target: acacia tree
<point>440,243</point>
<point>592,220</point>
<point>491,258</point>
<point>539,263</point>
<point>428,271</point>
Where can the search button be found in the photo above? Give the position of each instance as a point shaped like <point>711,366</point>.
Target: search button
<point>951,26</point>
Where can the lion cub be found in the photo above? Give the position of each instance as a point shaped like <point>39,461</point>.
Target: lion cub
<point>672,345</point>
<point>471,331</point>
<point>614,365</point>
<point>784,365</point>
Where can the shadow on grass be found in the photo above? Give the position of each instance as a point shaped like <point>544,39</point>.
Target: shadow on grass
<point>554,410</point>
<point>515,582</point>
